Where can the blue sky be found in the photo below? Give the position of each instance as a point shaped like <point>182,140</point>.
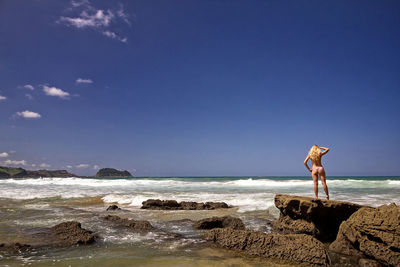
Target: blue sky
<point>200,87</point>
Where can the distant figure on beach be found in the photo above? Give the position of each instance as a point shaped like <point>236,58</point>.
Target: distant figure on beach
<point>315,155</point>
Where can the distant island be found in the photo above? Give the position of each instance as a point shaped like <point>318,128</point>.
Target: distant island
<point>110,172</point>
<point>7,172</point>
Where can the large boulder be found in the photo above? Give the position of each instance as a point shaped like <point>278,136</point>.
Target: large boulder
<point>299,248</point>
<point>157,204</point>
<point>373,233</point>
<point>71,233</point>
<point>220,222</point>
<point>140,226</point>
<point>320,218</point>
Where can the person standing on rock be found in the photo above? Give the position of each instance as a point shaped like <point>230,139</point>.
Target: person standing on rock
<point>315,155</point>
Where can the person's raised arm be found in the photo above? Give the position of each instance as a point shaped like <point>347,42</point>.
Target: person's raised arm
<point>326,150</point>
<point>306,164</point>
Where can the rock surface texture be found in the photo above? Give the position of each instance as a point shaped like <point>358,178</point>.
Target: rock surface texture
<point>220,222</point>
<point>373,233</point>
<point>71,233</point>
<point>157,204</point>
<point>298,248</point>
<point>113,207</point>
<point>140,226</point>
<point>320,218</point>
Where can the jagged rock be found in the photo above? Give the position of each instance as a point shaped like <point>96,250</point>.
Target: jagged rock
<point>373,233</point>
<point>157,204</point>
<point>71,233</point>
<point>110,172</point>
<point>113,207</point>
<point>141,226</point>
<point>298,248</point>
<point>220,222</point>
<point>325,215</point>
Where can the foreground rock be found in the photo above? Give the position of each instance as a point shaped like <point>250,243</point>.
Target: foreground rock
<point>157,204</point>
<point>140,226</point>
<point>14,248</point>
<point>320,218</point>
<point>372,233</point>
<point>71,233</point>
<point>113,207</point>
<point>220,222</point>
<point>298,248</point>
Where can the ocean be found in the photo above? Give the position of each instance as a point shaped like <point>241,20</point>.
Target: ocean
<point>27,205</point>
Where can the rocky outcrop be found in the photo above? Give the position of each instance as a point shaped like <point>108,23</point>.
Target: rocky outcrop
<point>298,248</point>
<point>113,207</point>
<point>110,172</point>
<point>373,233</point>
<point>220,222</point>
<point>14,248</point>
<point>71,233</point>
<point>157,204</point>
<point>320,218</point>
<point>139,226</point>
<point>7,172</point>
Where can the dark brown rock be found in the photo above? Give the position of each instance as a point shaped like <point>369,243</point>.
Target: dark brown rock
<point>140,226</point>
<point>113,207</point>
<point>14,248</point>
<point>325,215</point>
<point>298,248</point>
<point>157,204</point>
<point>220,222</point>
<point>71,233</point>
<point>368,263</point>
<point>373,233</point>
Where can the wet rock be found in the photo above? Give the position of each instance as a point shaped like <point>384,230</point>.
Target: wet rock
<point>321,218</point>
<point>298,248</point>
<point>140,226</point>
<point>14,248</point>
<point>373,233</point>
<point>157,204</point>
<point>220,222</point>
<point>368,263</point>
<point>113,207</point>
<point>71,233</point>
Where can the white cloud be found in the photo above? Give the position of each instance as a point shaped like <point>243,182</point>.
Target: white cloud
<point>69,167</point>
<point>4,155</point>
<point>15,162</point>
<point>82,166</point>
<point>95,167</point>
<point>2,97</point>
<point>53,91</point>
<point>113,35</point>
<point>12,151</point>
<point>28,114</point>
<point>29,96</point>
<point>29,87</point>
<point>80,80</point>
<point>44,165</point>
<point>96,19</point>
<point>33,165</point>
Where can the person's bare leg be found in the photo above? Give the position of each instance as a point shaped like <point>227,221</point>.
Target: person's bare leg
<point>323,180</point>
<point>314,175</point>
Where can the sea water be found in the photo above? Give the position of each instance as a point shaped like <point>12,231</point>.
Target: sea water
<point>30,204</point>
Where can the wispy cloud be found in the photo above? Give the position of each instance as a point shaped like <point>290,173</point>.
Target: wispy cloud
<point>4,155</point>
<point>82,166</point>
<point>96,19</point>
<point>29,96</point>
<point>29,87</point>
<point>95,167</point>
<point>80,80</point>
<point>54,91</point>
<point>15,162</point>
<point>2,97</point>
<point>69,167</point>
<point>44,165</point>
<point>28,114</point>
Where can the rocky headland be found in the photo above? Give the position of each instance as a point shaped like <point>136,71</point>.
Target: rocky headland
<point>110,172</point>
<point>7,172</point>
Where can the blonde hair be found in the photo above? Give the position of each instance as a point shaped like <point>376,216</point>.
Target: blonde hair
<point>315,152</point>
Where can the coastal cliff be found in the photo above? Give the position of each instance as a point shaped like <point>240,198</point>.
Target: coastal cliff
<point>7,172</point>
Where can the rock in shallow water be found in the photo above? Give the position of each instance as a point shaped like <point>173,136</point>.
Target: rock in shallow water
<point>373,233</point>
<point>299,248</point>
<point>157,204</point>
<point>141,226</point>
<point>71,233</point>
<point>113,207</point>
<point>320,218</point>
<point>220,222</point>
